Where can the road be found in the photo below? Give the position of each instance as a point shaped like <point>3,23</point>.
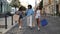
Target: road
<point>53,27</point>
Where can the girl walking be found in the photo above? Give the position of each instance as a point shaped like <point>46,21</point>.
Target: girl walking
<point>37,16</point>
<point>20,17</point>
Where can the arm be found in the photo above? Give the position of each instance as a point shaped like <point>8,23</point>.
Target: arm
<point>40,12</point>
<point>26,12</point>
<point>35,13</point>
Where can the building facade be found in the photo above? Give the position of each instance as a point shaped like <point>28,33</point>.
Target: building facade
<point>59,6</point>
<point>4,6</point>
<point>51,6</point>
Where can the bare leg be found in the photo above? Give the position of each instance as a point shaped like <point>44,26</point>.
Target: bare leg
<point>38,23</point>
<point>20,23</point>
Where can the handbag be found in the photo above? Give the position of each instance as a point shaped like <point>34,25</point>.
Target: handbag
<point>15,17</point>
<point>44,22</point>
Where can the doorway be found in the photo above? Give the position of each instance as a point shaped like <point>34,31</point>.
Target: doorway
<point>57,9</point>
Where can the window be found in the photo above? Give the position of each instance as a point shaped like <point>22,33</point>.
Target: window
<point>49,1</point>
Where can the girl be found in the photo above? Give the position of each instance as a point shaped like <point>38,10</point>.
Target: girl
<point>20,17</point>
<point>37,16</point>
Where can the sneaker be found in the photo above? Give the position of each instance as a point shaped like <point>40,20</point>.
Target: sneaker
<point>30,27</point>
<point>19,27</point>
<point>38,29</point>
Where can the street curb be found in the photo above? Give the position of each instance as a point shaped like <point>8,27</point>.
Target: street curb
<point>9,29</point>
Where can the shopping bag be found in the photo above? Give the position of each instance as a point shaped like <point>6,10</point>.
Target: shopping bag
<point>16,17</point>
<point>44,22</point>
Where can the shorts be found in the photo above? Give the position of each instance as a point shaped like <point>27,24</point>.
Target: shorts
<point>37,17</point>
<point>20,17</point>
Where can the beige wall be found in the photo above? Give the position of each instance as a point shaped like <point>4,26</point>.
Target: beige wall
<point>49,8</point>
<point>59,8</point>
<point>45,2</point>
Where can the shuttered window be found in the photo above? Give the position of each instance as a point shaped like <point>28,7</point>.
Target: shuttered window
<point>49,1</point>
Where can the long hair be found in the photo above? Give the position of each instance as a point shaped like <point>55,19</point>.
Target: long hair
<point>20,9</point>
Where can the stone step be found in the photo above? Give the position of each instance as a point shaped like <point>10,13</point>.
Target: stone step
<point>0,32</point>
<point>2,26</point>
<point>3,30</point>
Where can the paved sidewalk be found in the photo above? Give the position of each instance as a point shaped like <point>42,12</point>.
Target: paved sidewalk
<point>9,26</point>
<point>53,27</point>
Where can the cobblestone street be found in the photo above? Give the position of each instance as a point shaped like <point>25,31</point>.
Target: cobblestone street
<point>53,27</point>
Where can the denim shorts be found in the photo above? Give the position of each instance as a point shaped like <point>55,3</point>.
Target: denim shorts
<point>20,17</point>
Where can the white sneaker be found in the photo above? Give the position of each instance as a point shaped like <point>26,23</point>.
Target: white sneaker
<point>38,28</point>
<point>19,27</point>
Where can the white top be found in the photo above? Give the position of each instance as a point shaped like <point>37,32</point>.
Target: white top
<point>38,14</point>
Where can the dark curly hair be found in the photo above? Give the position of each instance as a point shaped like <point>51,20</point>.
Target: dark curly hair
<point>29,6</point>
